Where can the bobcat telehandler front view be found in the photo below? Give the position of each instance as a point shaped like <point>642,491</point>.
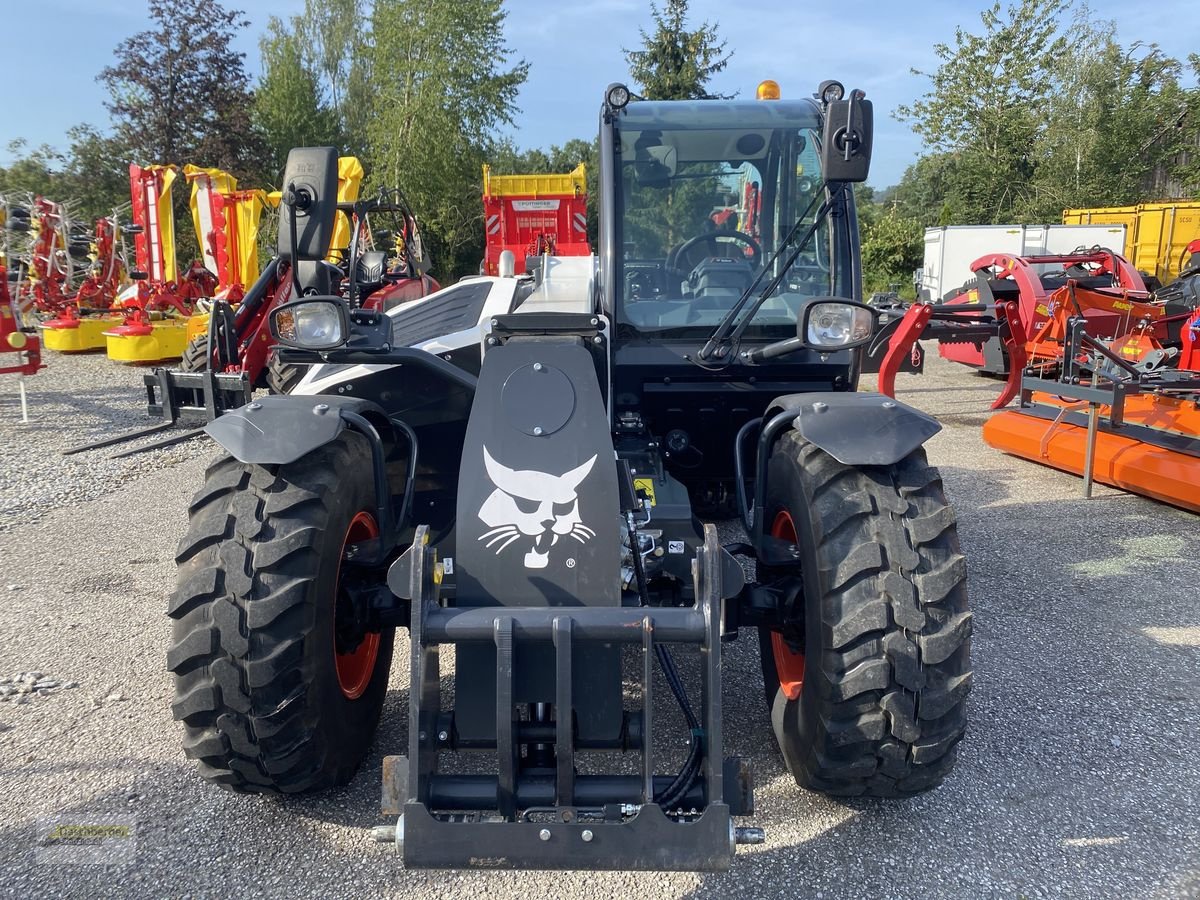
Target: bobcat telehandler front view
<point>518,468</point>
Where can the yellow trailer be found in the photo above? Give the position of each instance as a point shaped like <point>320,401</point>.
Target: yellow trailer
<point>1155,233</point>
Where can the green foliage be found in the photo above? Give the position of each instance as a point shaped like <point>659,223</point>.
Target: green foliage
<point>1115,117</point>
<point>337,47</point>
<point>289,110</point>
<point>443,83</point>
<point>674,63</point>
<point>32,172</point>
<point>1187,166</point>
<point>987,101</point>
<point>1031,116</point>
<point>179,92</point>
<point>893,246</point>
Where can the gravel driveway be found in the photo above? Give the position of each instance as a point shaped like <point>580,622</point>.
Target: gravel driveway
<point>1079,775</point>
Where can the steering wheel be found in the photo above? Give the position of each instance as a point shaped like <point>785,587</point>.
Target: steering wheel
<point>711,237</point>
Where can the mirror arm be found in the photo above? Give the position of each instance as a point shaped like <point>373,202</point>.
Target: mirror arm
<point>291,200</point>
<point>779,348</point>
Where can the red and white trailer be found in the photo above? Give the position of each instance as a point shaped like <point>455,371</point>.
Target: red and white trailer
<point>534,215</point>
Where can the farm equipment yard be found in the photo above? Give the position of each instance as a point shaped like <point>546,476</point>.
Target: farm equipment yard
<point>1077,777</point>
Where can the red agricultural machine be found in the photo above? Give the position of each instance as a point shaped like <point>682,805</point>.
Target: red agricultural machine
<point>1108,375</point>
<point>534,215</point>
<point>81,324</point>
<point>20,352</point>
<point>221,367</point>
<point>155,324</point>
<point>50,266</point>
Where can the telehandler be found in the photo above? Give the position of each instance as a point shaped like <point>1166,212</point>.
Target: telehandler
<point>521,468</point>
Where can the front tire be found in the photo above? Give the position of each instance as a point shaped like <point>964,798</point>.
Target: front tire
<point>868,693</point>
<point>282,377</point>
<point>278,688</point>
<point>195,355</point>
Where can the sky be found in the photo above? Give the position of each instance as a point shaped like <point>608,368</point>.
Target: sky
<point>574,50</point>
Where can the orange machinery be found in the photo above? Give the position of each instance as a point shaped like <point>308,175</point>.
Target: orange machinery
<point>1132,425</point>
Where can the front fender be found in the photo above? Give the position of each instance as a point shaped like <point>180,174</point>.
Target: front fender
<point>281,428</point>
<point>857,429</point>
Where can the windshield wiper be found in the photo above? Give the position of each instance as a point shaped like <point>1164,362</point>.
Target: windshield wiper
<point>726,334</point>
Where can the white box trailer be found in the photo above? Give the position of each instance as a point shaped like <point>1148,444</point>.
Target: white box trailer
<point>950,249</point>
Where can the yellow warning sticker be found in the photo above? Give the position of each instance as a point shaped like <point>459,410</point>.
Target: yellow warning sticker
<point>646,486</point>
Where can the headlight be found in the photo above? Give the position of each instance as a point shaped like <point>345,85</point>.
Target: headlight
<point>830,92</point>
<point>311,324</point>
<point>835,326</point>
<point>617,96</point>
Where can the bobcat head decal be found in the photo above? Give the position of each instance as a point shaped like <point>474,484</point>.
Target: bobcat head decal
<point>532,505</point>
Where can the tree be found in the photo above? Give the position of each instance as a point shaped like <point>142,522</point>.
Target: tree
<point>180,93</point>
<point>95,173</point>
<point>986,103</point>
<point>338,48</point>
<point>444,83</point>
<point>289,110</point>
<point>893,246</point>
<point>31,171</point>
<point>1185,168</point>
<point>674,63</point>
<point>1111,122</point>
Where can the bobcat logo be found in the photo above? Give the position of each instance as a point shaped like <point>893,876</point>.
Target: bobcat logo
<point>534,505</point>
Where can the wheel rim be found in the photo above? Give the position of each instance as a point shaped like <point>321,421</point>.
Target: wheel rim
<point>789,665</point>
<point>354,669</point>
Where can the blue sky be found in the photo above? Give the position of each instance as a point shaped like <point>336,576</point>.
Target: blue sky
<point>574,50</point>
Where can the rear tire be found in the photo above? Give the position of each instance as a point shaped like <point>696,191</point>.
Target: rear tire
<point>872,703</point>
<point>268,702</point>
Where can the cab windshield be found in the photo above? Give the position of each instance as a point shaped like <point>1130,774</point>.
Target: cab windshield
<point>704,207</point>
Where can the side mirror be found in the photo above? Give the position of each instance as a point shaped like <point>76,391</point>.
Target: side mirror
<point>846,139</point>
<point>308,203</point>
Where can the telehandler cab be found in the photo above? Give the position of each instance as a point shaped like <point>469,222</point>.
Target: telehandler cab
<point>515,468</point>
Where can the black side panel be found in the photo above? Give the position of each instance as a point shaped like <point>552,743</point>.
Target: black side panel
<point>538,524</point>
<point>456,310</point>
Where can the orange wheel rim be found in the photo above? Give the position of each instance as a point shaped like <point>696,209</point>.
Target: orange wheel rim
<point>354,669</point>
<point>789,665</point>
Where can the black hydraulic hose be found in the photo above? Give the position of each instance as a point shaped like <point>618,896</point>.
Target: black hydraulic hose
<point>683,781</point>
<point>739,468</point>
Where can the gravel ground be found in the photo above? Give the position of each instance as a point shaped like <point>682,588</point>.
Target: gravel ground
<point>1077,778</point>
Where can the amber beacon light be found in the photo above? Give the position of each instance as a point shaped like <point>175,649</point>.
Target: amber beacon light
<point>768,90</point>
